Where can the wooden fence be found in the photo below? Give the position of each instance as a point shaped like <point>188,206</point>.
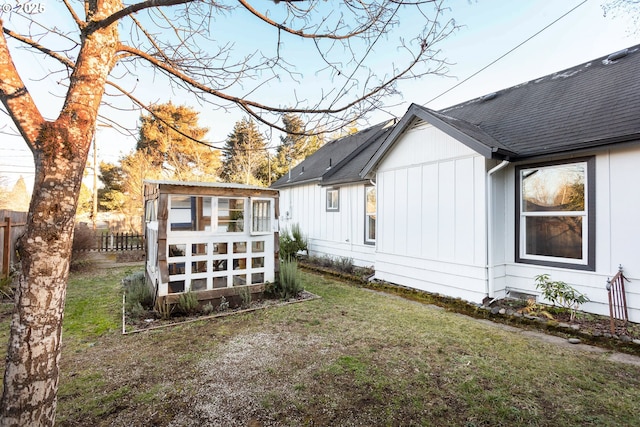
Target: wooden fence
<point>120,241</point>
<point>12,225</point>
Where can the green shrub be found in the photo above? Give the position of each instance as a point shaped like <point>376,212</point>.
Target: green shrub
<point>245,296</point>
<point>137,311</point>
<point>188,303</point>
<point>138,295</point>
<point>7,285</point>
<point>224,304</point>
<point>84,238</point>
<point>344,264</point>
<point>289,285</point>
<point>271,289</point>
<point>560,293</point>
<point>163,308</point>
<point>292,241</point>
<point>207,308</point>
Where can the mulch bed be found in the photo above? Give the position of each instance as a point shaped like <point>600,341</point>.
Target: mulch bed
<point>152,321</point>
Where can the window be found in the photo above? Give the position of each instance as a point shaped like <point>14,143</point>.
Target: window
<point>230,215</point>
<point>370,215</point>
<point>333,200</point>
<point>189,213</point>
<point>260,216</point>
<point>556,214</point>
<point>150,211</point>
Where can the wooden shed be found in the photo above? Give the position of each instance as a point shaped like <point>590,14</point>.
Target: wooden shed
<point>213,239</point>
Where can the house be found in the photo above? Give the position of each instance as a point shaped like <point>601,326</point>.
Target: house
<point>209,238</point>
<point>475,200</point>
<point>333,205</point>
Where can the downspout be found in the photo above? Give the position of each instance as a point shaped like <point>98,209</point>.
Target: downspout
<point>489,228</point>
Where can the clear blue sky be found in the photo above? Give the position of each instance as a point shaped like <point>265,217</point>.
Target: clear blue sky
<point>490,29</point>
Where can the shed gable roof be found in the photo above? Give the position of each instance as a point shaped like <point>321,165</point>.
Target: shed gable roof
<point>591,105</point>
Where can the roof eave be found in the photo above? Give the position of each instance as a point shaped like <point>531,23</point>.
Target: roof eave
<point>419,112</point>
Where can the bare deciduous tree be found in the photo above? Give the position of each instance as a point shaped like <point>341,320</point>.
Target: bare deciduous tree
<point>95,53</point>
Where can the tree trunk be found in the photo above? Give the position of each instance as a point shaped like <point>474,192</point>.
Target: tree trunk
<point>60,152</point>
<point>32,369</point>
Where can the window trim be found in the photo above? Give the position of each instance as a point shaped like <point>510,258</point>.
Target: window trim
<point>588,260</point>
<point>368,241</point>
<point>270,215</point>
<point>329,191</point>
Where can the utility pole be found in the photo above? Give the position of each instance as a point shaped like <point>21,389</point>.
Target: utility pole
<point>94,210</point>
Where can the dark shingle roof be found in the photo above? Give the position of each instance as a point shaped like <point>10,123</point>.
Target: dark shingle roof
<point>346,156</point>
<point>591,105</point>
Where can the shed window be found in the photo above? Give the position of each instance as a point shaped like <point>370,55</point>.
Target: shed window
<point>189,213</point>
<point>230,215</point>
<point>260,216</point>
<point>556,214</point>
<point>333,200</point>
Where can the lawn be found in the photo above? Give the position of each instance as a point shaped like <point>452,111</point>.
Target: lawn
<point>353,357</point>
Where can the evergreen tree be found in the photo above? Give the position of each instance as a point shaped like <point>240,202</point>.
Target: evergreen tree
<point>19,198</point>
<point>85,200</point>
<point>294,147</point>
<point>244,154</point>
<point>110,196</point>
<point>162,139</point>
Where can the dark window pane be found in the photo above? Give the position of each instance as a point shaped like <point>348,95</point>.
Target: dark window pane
<point>176,268</point>
<point>240,264</point>
<point>177,250</point>
<point>240,280</point>
<point>219,282</point>
<point>176,286</point>
<point>199,249</point>
<point>555,236</point>
<point>219,264</point>
<point>198,284</point>
<point>199,266</point>
<point>257,246</point>
<point>220,248</point>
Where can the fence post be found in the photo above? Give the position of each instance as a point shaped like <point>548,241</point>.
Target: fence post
<point>6,250</point>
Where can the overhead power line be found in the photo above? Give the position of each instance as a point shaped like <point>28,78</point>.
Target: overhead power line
<point>505,54</point>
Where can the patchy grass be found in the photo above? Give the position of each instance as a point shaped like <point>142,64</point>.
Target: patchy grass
<point>354,357</point>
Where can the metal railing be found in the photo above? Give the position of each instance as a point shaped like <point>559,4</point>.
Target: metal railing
<point>617,301</point>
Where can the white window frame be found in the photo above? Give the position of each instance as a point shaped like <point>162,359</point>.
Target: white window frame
<point>253,202</point>
<point>587,215</point>
<point>333,203</point>
<point>368,214</point>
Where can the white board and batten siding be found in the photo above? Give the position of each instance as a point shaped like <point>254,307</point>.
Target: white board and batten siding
<point>617,236</point>
<point>334,234</point>
<point>431,215</point>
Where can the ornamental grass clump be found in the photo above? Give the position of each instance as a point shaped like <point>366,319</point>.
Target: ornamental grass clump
<point>188,303</point>
<point>290,284</point>
<point>561,294</point>
<point>138,295</point>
